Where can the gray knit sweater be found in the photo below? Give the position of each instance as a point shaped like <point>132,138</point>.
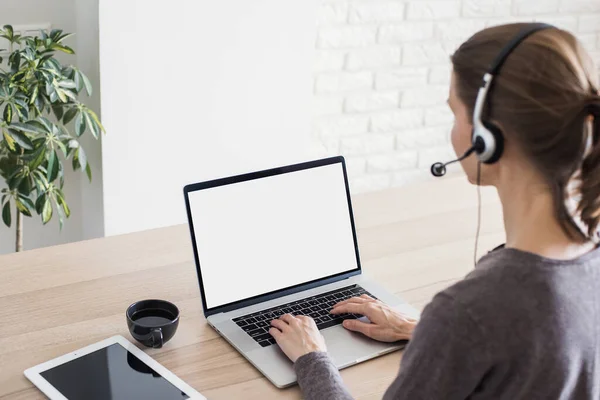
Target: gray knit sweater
<point>519,326</point>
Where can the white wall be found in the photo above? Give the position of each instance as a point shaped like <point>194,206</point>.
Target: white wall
<point>79,16</point>
<point>382,73</point>
<point>194,90</point>
<point>380,79</point>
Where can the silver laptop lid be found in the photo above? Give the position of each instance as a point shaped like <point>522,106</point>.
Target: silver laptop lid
<point>271,233</point>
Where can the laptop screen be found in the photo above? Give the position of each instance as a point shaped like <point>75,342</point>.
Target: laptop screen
<point>267,234</point>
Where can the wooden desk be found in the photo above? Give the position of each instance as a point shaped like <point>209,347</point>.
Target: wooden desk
<point>415,241</point>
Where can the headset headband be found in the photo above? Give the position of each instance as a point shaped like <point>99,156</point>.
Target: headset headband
<point>521,36</point>
<point>488,144</point>
<point>499,61</point>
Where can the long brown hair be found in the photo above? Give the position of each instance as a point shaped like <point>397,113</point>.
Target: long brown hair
<point>546,100</point>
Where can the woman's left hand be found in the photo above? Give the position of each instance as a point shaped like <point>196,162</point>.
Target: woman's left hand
<point>297,336</point>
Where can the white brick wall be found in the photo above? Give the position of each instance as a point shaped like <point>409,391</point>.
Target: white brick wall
<point>382,70</point>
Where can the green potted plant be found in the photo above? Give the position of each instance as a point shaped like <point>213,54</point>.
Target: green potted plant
<point>39,98</point>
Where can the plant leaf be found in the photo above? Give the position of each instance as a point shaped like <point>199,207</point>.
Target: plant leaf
<point>91,124</point>
<point>61,176</point>
<point>24,186</point>
<point>46,124</point>
<point>58,111</point>
<point>79,124</point>
<point>53,96</point>
<point>34,94</point>
<point>67,84</point>
<point>22,112</point>
<point>10,142</point>
<point>88,172</point>
<point>61,94</point>
<point>62,147</point>
<point>69,94</point>
<point>70,114</point>
<point>63,37</point>
<point>20,102</point>
<point>87,83</point>
<point>39,157</point>
<point>55,33</point>
<point>8,112</point>
<point>80,158</point>
<point>30,127</point>
<point>52,166</point>
<point>61,213</point>
<point>14,181</point>
<point>8,31</point>
<point>46,211</point>
<point>39,103</point>
<point>21,139</point>
<point>78,81</point>
<point>27,201</point>
<point>15,63</point>
<point>39,203</point>
<point>61,200</point>
<point>22,207</point>
<point>96,120</point>
<point>6,214</point>
<point>64,49</point>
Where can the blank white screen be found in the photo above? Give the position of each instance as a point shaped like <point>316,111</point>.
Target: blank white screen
<point>271,233</point>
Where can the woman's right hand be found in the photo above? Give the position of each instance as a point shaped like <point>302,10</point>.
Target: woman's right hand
<point>387,325</point>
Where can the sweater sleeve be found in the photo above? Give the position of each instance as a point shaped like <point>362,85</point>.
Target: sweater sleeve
<point>446,358</point>
<point>319,378</point>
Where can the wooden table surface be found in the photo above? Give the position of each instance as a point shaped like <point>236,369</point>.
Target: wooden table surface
<point>415,241</point>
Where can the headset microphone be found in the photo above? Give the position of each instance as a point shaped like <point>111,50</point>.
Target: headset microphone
<point>439,169</point>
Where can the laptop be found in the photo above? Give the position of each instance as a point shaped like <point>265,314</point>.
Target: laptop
<point>281,241</point>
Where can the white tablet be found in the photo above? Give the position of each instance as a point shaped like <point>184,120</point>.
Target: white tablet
<point>112,369</point>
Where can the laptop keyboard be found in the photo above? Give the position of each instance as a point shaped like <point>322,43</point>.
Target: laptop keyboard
<point>257,324</point>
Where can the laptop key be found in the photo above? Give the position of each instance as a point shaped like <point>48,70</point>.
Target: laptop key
<point>296,308</point>
<point>241,322</point>
<point>265,343</point>
<point>249,327</point>
<point>257,332</point>
<point>287,310</point>
<point>262,324</point>
<point>251,320</point>
<point>328,324</point>
<point>264,336</point>
<point>272,341</point>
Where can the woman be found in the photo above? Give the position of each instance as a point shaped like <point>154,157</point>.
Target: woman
<point>525,324</point>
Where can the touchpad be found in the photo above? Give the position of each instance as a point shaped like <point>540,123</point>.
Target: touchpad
<point>347,347</point>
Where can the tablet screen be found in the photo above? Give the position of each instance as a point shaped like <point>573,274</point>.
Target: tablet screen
<point>111,373</point>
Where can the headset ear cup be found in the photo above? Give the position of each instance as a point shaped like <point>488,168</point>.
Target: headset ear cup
<point>499,141</point>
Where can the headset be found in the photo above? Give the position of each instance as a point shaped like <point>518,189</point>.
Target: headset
<point>487,140</point>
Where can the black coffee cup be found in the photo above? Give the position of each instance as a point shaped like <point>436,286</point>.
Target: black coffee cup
<point>152,322</point>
